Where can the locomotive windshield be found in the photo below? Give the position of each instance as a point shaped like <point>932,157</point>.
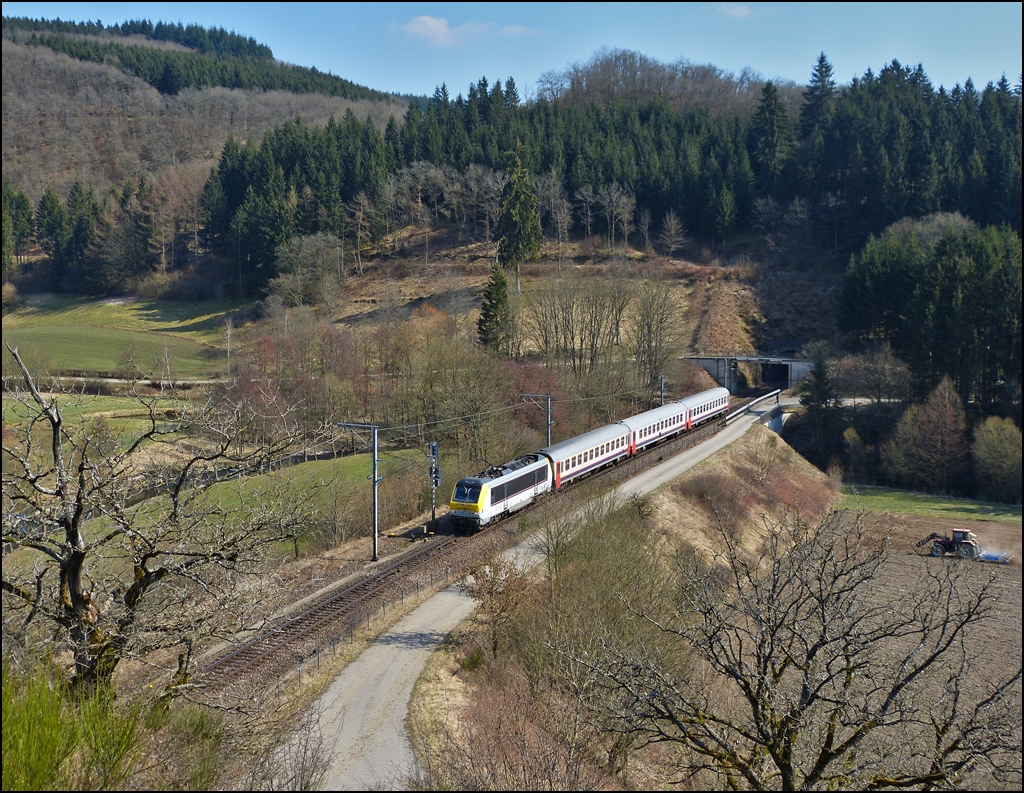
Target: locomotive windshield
<point>467,492</point>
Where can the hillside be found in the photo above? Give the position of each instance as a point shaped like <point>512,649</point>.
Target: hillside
<point>67,120</point>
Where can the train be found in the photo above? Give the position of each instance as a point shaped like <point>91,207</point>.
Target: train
<point>500,490</point>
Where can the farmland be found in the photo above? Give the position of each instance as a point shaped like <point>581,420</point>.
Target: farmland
<point>71,334</point>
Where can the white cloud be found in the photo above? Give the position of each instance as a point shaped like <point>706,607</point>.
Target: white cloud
<point>437,31</point>
<point>734,10</point>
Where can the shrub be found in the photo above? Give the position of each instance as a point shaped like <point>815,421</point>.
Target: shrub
<point>37,739</point>
<point>10,296</point>
<point>997,459</point>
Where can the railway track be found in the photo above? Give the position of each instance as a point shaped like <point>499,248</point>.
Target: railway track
<point>345,608</point>
<point>332,609</point>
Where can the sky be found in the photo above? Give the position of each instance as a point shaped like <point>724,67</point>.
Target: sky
<point>411,48</point>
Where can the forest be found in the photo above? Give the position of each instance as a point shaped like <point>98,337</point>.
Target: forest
<point>848,164</point>
<point>910,195</point>
<point>204,40</point>
<point>213,58</point>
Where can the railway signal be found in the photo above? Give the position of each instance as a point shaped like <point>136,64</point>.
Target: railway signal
<point>435,478</point>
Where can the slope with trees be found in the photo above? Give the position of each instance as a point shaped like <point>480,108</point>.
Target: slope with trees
<point>208,58</point>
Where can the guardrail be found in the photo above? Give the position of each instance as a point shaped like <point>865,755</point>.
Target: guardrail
<point>754,402</point>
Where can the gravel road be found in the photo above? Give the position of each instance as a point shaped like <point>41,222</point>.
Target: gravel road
<point>366,707</point>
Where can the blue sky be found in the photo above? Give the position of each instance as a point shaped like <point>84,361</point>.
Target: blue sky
<point>412,47</point>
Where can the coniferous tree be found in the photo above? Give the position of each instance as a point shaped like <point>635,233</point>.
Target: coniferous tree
<point>771,139</point>
<point>494,310</point>
<point>518,229</point>
<point>725,213</point>
<point>51,224</point>
<point>815,119</point>
<point>818,99</point>
<point>8,243</point>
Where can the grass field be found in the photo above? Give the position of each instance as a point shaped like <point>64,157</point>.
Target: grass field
<point>81,334</point>
<point>123,416</point>
<point>883,499</point>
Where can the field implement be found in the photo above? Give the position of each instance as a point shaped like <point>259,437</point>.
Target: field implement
<point>964,545</point>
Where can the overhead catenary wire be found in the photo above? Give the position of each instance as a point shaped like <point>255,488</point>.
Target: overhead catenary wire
<point>438,423</point>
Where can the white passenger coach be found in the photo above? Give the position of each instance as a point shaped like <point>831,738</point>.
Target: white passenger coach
<point>503,489</point>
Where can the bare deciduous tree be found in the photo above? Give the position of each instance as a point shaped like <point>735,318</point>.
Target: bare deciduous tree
<point>576,322</point>
<point>811,664</point>
<point>501,588</point>
<point>672,235</point>
<point>651,329</point>
<point>300,761</point>
<point>101,576</point>
<point>766,453</point>
<point>880,375</point>
<point>643,223</point>
<point>361,209</point>
<point>311,271</point>
<point>627,203</point>
<point>585,201</point>
<point>609,197</point>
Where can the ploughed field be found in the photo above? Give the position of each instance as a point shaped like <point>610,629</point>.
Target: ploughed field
<point>995,642</point>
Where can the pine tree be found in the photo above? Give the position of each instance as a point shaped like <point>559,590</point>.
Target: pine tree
<point>518,229</point>
<point>51,224</point>
<point>818,104</point>
<point>494,311</point>
<point>771,138</point>
<point>725,213</point>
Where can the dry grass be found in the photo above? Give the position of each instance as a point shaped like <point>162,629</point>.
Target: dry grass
<point>730,480</point>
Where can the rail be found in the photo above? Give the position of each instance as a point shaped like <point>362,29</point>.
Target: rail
<point>304,635</point>
<point>335,607</point>
<point>776,393</point>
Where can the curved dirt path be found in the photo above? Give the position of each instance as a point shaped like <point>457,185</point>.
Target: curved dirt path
<point>366,707</point>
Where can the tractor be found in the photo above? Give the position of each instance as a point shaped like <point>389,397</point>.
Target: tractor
<point>963,544</point>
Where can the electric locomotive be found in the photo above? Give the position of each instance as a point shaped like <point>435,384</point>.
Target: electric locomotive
<point>499,490</point>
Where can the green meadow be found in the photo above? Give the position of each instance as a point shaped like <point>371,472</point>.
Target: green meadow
<point>58,333</point>
<point>883,499</point>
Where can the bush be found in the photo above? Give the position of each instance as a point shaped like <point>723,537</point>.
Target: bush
<point>54,742</point>
<point>37,742</point>
<point>10,296</point>
<point>153,286</point>
<point>997,460</point>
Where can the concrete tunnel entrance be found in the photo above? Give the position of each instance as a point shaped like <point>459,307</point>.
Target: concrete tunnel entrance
<point>772,369</point>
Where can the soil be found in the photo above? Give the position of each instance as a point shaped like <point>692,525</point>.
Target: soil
<point>995,642</point>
